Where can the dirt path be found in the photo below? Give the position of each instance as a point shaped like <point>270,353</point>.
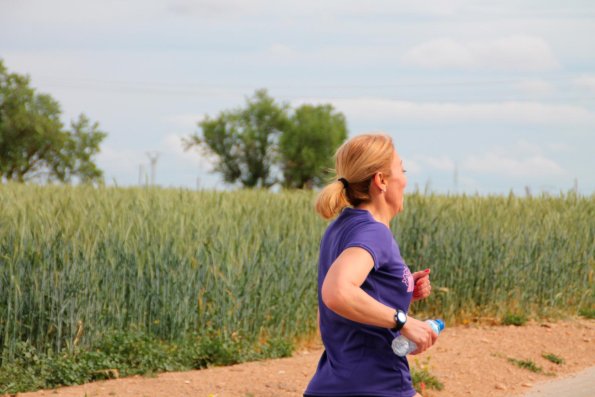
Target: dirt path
<point>469,360</point>
<point>577,385</point>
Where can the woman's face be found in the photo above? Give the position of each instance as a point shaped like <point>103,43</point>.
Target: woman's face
<point>396,184</point>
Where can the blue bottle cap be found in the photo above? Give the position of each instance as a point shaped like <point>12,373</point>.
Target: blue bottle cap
<point>440,323</point>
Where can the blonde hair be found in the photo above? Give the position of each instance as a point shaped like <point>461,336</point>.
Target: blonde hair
<point>357,161</point>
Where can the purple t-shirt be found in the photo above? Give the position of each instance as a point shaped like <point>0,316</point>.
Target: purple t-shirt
<point>358,359</point>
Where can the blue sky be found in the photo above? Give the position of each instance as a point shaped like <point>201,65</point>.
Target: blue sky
<point>479,96</point>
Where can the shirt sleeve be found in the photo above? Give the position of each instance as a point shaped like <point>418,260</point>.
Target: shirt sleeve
<point>375,238</point>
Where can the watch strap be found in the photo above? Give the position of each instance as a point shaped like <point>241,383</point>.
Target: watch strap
<point>399,324</point>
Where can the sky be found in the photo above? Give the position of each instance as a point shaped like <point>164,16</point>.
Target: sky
<point>480,97</point>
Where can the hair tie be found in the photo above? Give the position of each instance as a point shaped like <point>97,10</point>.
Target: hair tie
<point>344,182</point>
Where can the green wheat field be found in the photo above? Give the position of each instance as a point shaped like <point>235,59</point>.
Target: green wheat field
<point>77,263</point>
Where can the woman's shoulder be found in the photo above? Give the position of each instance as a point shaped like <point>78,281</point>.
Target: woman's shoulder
<point>366,227</point>
<point>362,219</point>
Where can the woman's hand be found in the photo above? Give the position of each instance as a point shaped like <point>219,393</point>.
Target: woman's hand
<point>420,333</point>
<point>422,286</point>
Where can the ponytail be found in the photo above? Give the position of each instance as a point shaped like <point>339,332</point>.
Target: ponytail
<point>331,200</point>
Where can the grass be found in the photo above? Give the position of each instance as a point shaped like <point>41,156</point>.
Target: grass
<point>79,263</point>
<point>553,358</point>
<point>587,312</point>
<point>514,319</point>
<point>526,364</point>
<point>120,354</point>
<point>423,379</point>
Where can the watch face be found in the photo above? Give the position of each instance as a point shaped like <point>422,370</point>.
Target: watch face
<point>402,316</point>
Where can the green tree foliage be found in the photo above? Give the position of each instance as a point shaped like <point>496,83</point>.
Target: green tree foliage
<point>308,145</point>
<point>33,140</point>
<point>244,140</point>
<point>250,143</point>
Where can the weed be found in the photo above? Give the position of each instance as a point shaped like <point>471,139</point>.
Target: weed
<point>129,353</point>
<point>553,358</point>
<point>422,378</point>
<point>514,319</point>
<point>526,364</point>
<point>587,312</point>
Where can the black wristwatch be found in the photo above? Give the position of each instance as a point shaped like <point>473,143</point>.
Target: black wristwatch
<point>400,319</point>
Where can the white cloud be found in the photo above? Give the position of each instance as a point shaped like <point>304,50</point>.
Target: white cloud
<point>521,148</point>
<point>559,147</point>
<point>412,166</point>
<point>440,53</point>
<point>441,163</point>
<point>173,148</point>
<point>122,164</point>
<point>468,184</point>
<point>377,109</point>
<point>586,81</point>
<point>279,50</point>
<point>535,87</point>
<point>87,14</point>
<point>313,8</point>
<point>508,53</point>
<point>338,54</point>
<point>520,162</point>
<point>127,163</point>
<point>496,163</point>
<point>120,160</point>
<point>217,8</point>
<point>186,121</point>
<point>515,52</point>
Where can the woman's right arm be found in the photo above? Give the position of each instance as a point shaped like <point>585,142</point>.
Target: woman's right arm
<point>341,292</point>
<point>420,333</point>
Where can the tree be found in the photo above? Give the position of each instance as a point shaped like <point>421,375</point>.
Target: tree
<point>33,140</point>
<point>308,145</point>
<point>244,140</point>
<point>248,143</point>
<point>75,158</point>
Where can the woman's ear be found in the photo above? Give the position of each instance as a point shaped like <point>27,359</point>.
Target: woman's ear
<point>379,181</point>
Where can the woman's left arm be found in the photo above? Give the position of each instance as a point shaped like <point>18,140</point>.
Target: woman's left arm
<point>422,286</point>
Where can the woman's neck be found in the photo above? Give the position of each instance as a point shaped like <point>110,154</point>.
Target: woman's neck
<point>377,213</point>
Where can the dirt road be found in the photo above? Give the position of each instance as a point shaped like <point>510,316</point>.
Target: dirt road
<point>471,360</point>
<point>576,385</point>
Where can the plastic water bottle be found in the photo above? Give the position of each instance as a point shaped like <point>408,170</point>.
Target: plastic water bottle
<point>403,346</point>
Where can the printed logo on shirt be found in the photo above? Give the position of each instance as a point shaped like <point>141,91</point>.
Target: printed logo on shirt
<point>408,279</point>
